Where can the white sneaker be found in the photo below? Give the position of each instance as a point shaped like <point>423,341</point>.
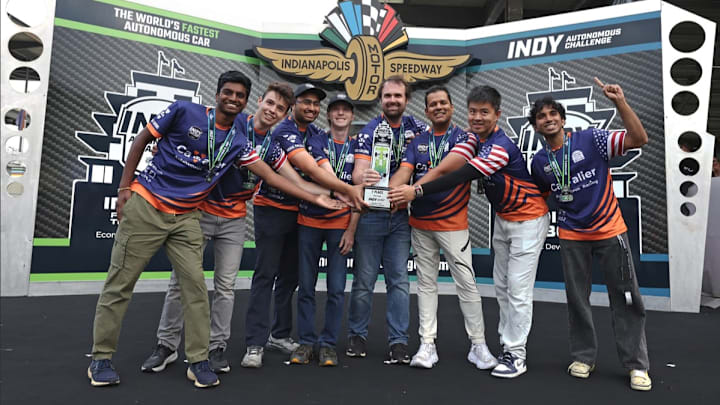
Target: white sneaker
<point>481,357</point>
<point>285,345</point>
<point>426,356</point>
<point>510,366</point>
<point>253,357</point>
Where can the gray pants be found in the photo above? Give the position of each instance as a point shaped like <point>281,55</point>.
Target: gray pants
<point>628,321</point>
<point>228,236</point>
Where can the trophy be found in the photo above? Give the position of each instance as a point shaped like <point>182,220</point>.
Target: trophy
<point>377,196</point>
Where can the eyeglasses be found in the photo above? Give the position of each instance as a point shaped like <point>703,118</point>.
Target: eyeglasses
<point>307,102</point>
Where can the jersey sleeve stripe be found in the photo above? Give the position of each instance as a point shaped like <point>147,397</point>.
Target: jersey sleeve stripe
<point>153,131</point>
<point>248,159</point>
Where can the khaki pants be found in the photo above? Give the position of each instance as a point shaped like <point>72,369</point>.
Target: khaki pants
<point>458,253</point>
<point>142,231</point>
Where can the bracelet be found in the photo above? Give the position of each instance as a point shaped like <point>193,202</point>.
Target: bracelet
<point>332,193</point>
<point>418,191</point>
<point>123,189</point>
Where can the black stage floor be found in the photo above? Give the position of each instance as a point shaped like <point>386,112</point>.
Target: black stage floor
<point>45,341</point>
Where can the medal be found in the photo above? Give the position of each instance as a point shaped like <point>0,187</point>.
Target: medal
<point>337,163</point>
<point>565,195</point>
<point>562,175</point>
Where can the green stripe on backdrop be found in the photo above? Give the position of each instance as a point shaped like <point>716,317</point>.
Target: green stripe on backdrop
<point>61,22</point>
<point>63,242</point>
<point>213,24</point>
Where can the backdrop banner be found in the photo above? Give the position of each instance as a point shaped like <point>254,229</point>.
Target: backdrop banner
<point>116,64</point>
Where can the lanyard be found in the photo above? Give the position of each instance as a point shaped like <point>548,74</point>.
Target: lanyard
<point>338,164</point>
<point>266,140</point>
<point>435,152</point>
<point>224,148</point>
<point>562,176</point>
<point>398,148</point>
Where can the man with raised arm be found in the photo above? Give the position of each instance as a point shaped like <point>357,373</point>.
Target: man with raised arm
<point>574,169</point>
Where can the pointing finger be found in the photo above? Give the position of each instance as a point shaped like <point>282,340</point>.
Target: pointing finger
<point>598,82</point>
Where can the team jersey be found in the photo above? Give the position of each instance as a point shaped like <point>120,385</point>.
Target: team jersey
<point>319,148</point>
<point>446,210</point>
<point>238,185</point>
<point>292,140</point>
<point>410,127</point>
<point>594,212</point>
<point>178,177</point>
<point>508,185</point>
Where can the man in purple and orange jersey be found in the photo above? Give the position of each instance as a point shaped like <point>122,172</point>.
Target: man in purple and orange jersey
<point>440,221</point>
<point>334,153</point>
<point>276,231</point>
<point>521,218</point>
<point>574,169</point>
<point>223,222</point>
<point>383,237</point>
<point>197,146</point>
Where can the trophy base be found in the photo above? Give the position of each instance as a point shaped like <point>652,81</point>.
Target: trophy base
<point>377,198</point>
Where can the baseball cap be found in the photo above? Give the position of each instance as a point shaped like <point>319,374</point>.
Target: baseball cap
<point>309,87</point>
<point>340,98</point>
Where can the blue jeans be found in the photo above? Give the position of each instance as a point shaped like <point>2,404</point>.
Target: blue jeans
<point>384,238</point>
<point>276,252</point>
<point>310,241</point>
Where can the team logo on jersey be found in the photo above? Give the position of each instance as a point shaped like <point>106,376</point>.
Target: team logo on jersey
<point>365,31</point>
<point>577,156</point>
<point>147,96</point>
<point>547,168</point>
<point>194,132</point>
<point>422,148</point>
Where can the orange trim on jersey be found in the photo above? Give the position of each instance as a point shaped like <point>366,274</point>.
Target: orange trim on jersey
<point>218,126</point>
<point>439,220</point>
<point>523,201</point>
<point>295,152</point>
<point>613,227</point>
<point>323,160</point>
<point>153,131</point>
<point>363,157</point>
<point>266,202</point>
<point>151,198</point>
<point>340,220</point>
<point>407,164</point>
<point>238,210</point>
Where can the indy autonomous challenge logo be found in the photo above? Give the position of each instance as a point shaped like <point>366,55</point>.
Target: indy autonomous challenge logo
<point>365,31</point>
<point>147,95</point>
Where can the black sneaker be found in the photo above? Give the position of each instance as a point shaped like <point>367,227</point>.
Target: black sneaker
<point>302,354</point>
<point>218,363</point>
<point>356,347</point>
<point>102,372</point>
<point>398,354</point>
<point>201,374</point>
<point>159,359</point>
<point>328,357</point>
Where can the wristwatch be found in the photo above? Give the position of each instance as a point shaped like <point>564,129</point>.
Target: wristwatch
<point>418,191</point>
